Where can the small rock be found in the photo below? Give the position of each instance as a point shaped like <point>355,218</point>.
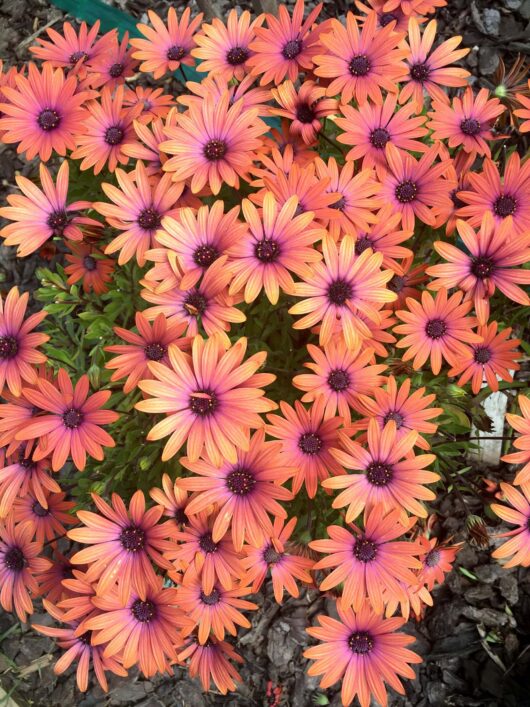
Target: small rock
<point>491,19</point>
<point>488,60</point>
<point>525,10</point>
<point>478,593</point>
<point>513,4</point>
<point>128,693</point>
<point>509,589</point>
<point>488,617</point>
<point>436,694</point>
<point>489,573</point>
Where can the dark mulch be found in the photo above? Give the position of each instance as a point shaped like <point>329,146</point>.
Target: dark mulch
<point>475,640</point>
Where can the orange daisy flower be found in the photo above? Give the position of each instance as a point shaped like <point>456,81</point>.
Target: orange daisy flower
<point>71,423</point>
<point>43,113</point>
<point>361,63</point>
<point>286,46</point>
<point>213,143</point>
<point>123,545</point>
<point>278,242</point>
<point>47,522</point>
<point>340,287</point>
<point>224,49</point>
<point>369,561</point>
<point>173,499</point>
<point>245,490</point>
<point>340,375</point>
<point>429,70</point>
<point>522,442</point>
<point>404,282</point>
<point>216,86</point>
<point>88,265</point>
<point>436,328</point>
<point>154,102</point>
<point>364,651</point>
<point>50,581</point>
<point>114,65</point>
<point>72,50</point>
<point>384,15</point>
<point>211,662</point>
<point>437,561</point>
<point>392,475</point>
<point>517,549</point>
<point>20,476</point>
<point>146,147</point>
<point>523,112</point>
<point>210,399</point>
<point>305,108</point>
<point>18,343</point>
<point>166,46</point>
<point>384,237</point>
<point>467,122</point>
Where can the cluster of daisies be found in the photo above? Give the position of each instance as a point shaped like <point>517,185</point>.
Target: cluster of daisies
<point>370,154</point>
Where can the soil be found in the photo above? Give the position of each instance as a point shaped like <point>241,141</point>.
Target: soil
<point>475,641</point>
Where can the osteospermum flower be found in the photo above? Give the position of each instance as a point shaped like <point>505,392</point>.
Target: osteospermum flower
<point>211,662</point>
<point>278,242</point>
<point>404,282</point>
<point>522,442</point>
<point>78,648</point>
<point>436,328</point>
<point>370,127</point>
<point>15,415</point>
<point>166,46</point>
<point>364,651</point>
<point>142,629</point>
<point>215,86</point>
<point>523,112</point>
<point>173,499</point>
<point>385,15</point>
<point>43,113</point>
<point>47,522</point>
<point>50,581</point>
<point>40,215</point>
<point>369,561</point>
<point>114,65</point>
<point>246,490</point>
<point>286,46</point>
<point>72,50</point>
<point>430,70</point>
<point>18,342</point>
<point>360,63</point>
<point>285,567</point>
<point>153,101</point>
<point>71,421</point>
<point>437,561</point>
<point>385,237</point>
<point>517,549</point>
<point>341,287</point>
<point>210,399</point>
<point>217,610</point>
<point>305,108</point>
<point>104,133</point>
<point>306,440</point>
<point>392,476</point>
<point>487,264</point>
<point>214,142</point>
<point>415,188</point>
<point>504,198</point>
<point>340,375</point>
<point>123,545</point>
<point>408,411</point>
<point>467,122</point>
<point>224,48</point>
<point>19,562</point>
<point>20,476</point>
<point>149,344</point>
<point>88,265</point>
<point>138,209</point>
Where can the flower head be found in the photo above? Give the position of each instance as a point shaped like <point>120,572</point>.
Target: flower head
<point>71,50</point>
<point>173,499</point>
<point>305,108</point>
<point>47,521</point>
<point>437,561</point>
<point>523,112</point>
<point>522,425</point>
<point>517,548</point>
<point>88,265</point>
<point>112,66</point>
<point>211,661</point>
<point>20,476</point>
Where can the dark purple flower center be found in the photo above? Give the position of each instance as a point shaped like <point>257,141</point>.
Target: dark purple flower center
<point>237,55</point>
<point>205,255</point>
<point>57,220</point>
<point>149,219</point>
<point>214,150</point>
<point>292,48</point>
<point>379,474</point>
<point>8,347</point>
<point>397,283</point>
<point>270,555</point>
<point>77,56</point>
<point>339,380</point>
<point>432,558</point>
<point>362,243</point>
<point>132,538</point>
<point>240,481</point>
<point>90,263</point>
<point>505,205</point>
<point>364,550</point>
<point>195,303</point>
<point>420,72</point>
<point>27,463</point>
<point>310,443</point>
<point>180,516</point>
<point>339,291</point>
<point>39,510</point>
<point>14,559</point>
<point>360,642</point>
<point>379,138</point>
<point>482,354</point>
<point>210,599</point>
<point>394,415</point>
<point>143,611</point>
<point>85,638</point>
<point>116,70</point>
<point>435,328</point>
<point>175,53</point>
<point>406,191</point>
<point>458,203</point>
<point>339,205</point>
<point>155,351</point>
<point>359,65</point>
<point>206,543</point>
<point>470,126</point>
<point>114,135</point>
<point>305,113</point>
<point>204,404</point>
<point>386,18</point>
<point>482,267</point>
<point>72,418</point>
<point>267,250</point>
<point>48,119</point>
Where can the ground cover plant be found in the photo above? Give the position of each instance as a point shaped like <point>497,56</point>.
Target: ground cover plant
<point>278,291</point>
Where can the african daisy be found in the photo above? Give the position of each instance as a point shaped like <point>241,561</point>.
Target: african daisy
<point>520,424</point>
<point>515,551</point>
<point>210,661</point>
<point>304,107</point>
<point>88,265</point>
